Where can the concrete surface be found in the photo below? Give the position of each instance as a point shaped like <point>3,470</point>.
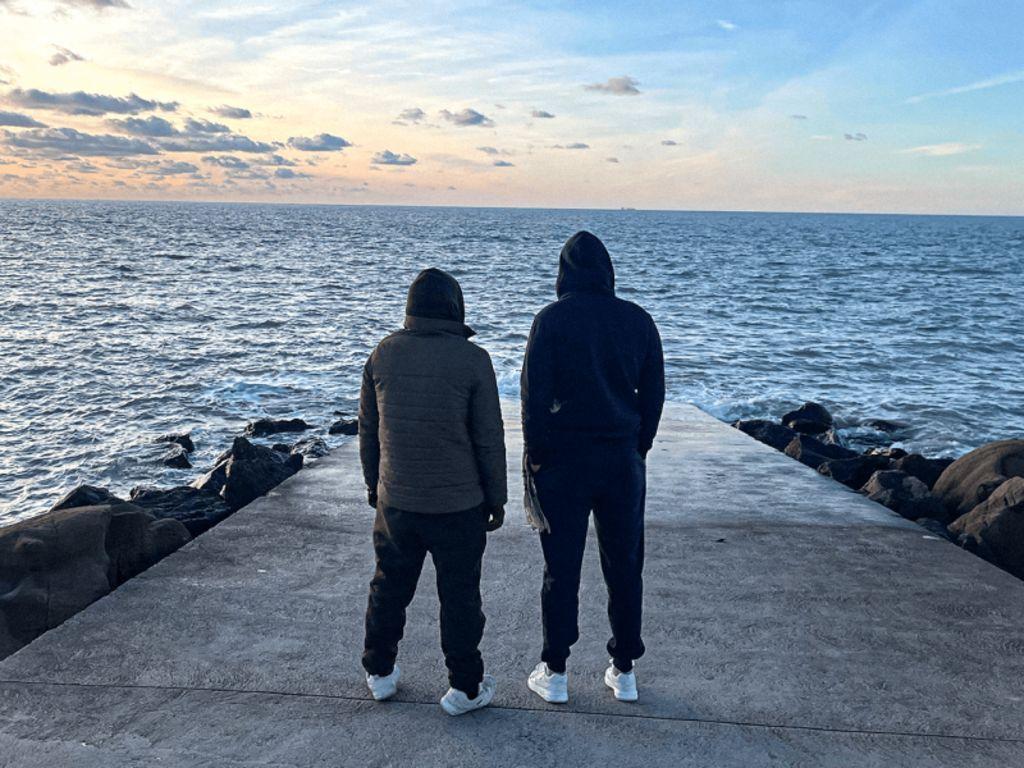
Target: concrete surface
<point>788,621</point>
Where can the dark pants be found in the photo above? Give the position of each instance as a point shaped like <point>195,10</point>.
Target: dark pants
<point>455,541</point>
<point>611,481</point>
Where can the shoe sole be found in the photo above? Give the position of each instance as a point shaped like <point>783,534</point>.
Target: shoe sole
<point>619,695</point>
<point>545,695</point>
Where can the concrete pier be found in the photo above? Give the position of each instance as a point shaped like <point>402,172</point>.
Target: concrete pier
<point>788,622</point>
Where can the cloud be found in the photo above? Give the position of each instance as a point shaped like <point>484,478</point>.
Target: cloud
<point>63,56</point>
<point>669,143</point>
<point>172,168</point>
<point>204,126</point>
<point>152,126</point>
<point>855,136</point>
<point>216,142</point>
<point>5,72</point>
<point>574,145</point>
<point>82,103</point>
<point>96,5</point>
<point>467,117</point>
<point>727,25</point>
<point>232,113</point>
<point>798,117</point>
<point>947,149</point>
<point>18,120</point>
<point>612,159</point>
<point>278,160</point>
<point>387,157</point>
<point>541,114</point>
<point>410,115</point>
<point>493,151</point>
<point>288,173</point>
<point>226,161</point>
<point>68,141</point>
<point>1007,78</point>
<point>503,164</point>
<point>322,142</point>
<point>619,86</point>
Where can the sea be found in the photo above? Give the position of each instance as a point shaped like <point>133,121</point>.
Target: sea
<point>123,321</point>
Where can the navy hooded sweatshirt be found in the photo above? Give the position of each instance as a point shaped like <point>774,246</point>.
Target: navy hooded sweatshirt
<point>594,370</point>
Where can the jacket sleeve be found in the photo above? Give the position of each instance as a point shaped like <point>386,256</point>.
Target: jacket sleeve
<point>369,423</point>
<point>651,390</point>
<point>537,391</point>
<point>487,431</point>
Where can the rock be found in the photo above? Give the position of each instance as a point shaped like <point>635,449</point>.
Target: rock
<point>889,453</point>
<point>264,427</point>
<point>311,448</point>
<point>51,567</point>
<point>832,437</point>
<point>136,540</point>
<point>198,510</point>
<point>903,494</point>
<point>281,448</point>
<point>854,472</point>
<point>247,471</point>
<point>807,450</point>
<point>177,458</point>
<point>972,478</point>
<point>886,425</point>
<point>344,427</point>
<point>924,469</point>
<point>84,496</point>
<point>767,432</point>
<point>809,418</point>
<point>994,529</point>
<point>184,440</point>
<point>935,527</point>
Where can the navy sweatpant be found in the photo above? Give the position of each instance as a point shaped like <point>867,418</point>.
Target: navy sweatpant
<point>610,481</point>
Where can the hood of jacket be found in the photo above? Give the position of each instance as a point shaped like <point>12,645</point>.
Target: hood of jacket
<point>584,266</point>
<point>435,303</point>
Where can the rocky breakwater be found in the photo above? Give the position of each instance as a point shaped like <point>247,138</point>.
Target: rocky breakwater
<point>976,500</point>
<point>92,541</point>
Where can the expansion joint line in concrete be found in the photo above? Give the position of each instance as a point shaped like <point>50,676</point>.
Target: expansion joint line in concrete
<point>539,711</point>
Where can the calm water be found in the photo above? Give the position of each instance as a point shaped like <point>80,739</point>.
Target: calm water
<point>124,321</point>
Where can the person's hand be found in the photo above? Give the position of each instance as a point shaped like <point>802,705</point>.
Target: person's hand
<point>495,518</point>
<point>371,498</point>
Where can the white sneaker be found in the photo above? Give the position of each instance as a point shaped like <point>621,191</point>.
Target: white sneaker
<point>623,684</point>
<point>456,702</point>
<point>550,686</point>
<point>383,687</point>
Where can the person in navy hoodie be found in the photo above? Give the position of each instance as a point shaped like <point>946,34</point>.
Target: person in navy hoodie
<point>593,388</point>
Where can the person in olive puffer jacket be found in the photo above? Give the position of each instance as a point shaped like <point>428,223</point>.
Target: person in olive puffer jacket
<point>432,445</point>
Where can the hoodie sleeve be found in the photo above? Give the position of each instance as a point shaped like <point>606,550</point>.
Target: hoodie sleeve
<point>651,390</point>
<point>537,391</point>
<point>369,423</point>
<point>487,431</point>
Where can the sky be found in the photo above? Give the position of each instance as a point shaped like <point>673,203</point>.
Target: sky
<point>913,107</point>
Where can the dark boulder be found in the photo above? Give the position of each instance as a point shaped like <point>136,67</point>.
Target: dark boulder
<point>264,427</point>
<point>854,472</point>
<point>177,458</point>
<point>246,471</point>
<point>924,469</point>
<point>935,527</point>
<point>994,529</point>
<point>84,496</point>
<point>281,447</point>
<point>767,432</point>
<point>136,540</point>
<point>809,419</point>
<point>184,440</point>
<point>890,453</point>
<point>344,427</point>
<point>972,478</point>
<point>196,509</point>
<point>832,437</point>
<point>903,494</point>
<point>311,448</point>
<point>51,567</point>
<point>807,450</point>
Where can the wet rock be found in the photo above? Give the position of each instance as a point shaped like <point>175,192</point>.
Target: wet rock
<point>886,425</point>
<point>344,427</point>
<point>246,471</point>
<point>136,540</point>
<point>51,567</point>
<point>809,419</point>
<point>264,427</point>
<point>832,437</point>
<point>281,448</point>
<point>184,440</point>
<point>903,494</point>
<point>994,529</point>
<point>935,527</point>
<point>972,478</point>
<point>198,510</point>
<point>84,496</point>
<point>853,473</point>
<point>311,448</point>
<point>767,432</point>
<point>807,450</point>
<point>924,469</point>
<point>890,453</point>
<point>177,458</point>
